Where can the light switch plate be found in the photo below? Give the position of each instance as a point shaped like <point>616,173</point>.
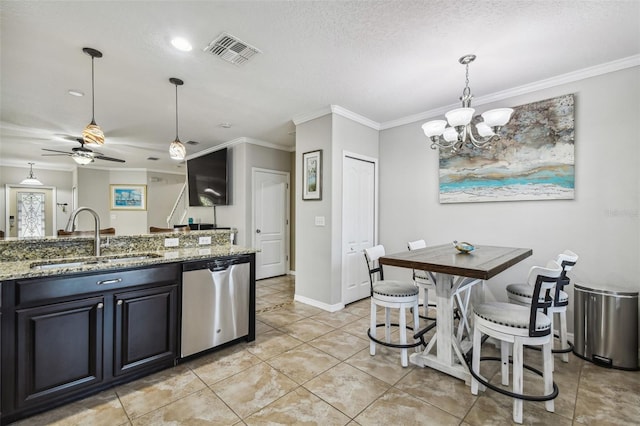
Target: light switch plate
<point>204,240</point>
<point>319,220</point>
<point>171,242</point>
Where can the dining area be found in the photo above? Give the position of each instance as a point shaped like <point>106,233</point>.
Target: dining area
<point>450,279</point>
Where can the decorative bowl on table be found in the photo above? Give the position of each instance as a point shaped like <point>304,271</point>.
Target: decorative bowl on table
<point>463,246</point>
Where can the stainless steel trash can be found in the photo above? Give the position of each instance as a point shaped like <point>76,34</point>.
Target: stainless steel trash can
<point>606,327</point>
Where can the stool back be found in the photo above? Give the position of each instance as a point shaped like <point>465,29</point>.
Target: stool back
<point>567,261</point>
<point>542,280</point>
<point>371,256</point>
<point>415,245</point>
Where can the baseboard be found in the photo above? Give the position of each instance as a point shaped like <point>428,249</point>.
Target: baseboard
<point>324,306</point>
<point>291,273</point>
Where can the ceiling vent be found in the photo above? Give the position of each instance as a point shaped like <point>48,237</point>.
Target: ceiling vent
<point>231,49</point>
<point>192,143</point>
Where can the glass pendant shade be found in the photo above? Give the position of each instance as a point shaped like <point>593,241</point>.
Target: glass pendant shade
<point>31,179</point>
<point>497,117</point>
<point>177,150</point>
<point>450,134</point>
<point>93,134</point>
<point>434,128</point>
<point>460,116</point>
<point>484,130</point>
<point>82,159</point>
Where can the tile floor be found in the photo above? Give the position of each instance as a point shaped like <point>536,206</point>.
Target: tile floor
<point>308,366</point>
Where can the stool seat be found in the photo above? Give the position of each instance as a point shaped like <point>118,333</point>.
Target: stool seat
<point>392,288</point>
<point>511,315</point>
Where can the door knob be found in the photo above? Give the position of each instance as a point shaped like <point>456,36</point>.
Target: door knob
<point>258,231</point>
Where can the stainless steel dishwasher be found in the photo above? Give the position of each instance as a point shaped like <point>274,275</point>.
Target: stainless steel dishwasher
<point>215,302</point>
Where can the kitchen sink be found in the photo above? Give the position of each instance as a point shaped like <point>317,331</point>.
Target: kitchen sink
<point>75,263</point>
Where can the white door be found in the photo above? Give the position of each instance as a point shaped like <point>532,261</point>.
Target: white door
<point>358,226</point>
<point>270,222</point>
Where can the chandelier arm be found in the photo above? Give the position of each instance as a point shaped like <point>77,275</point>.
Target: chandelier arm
<point>480,142</point>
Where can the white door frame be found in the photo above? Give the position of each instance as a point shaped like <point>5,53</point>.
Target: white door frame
<point>376,193</point>
<point>286,214</point>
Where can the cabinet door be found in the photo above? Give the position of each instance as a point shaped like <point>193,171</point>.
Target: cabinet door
<point>145,328</point>
<point>59,349</point>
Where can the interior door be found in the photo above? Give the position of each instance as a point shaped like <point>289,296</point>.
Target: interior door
<point>358,226</point>
<point>270,219</point>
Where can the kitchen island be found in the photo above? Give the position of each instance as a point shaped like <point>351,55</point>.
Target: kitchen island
<point>74,324</point>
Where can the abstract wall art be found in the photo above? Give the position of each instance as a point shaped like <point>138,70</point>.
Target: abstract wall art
<point>533,159</point>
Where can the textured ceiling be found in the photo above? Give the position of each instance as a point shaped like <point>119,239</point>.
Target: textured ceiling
<point>384,60</point>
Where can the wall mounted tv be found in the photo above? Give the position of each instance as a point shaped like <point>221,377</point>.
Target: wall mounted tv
<point>208,180</point>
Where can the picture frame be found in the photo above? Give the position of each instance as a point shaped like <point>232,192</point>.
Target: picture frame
<point>128,197</point>
<point>312,175</point>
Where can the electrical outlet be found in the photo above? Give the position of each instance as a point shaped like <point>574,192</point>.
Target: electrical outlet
<point>204,240</point>
<point>319,220</point>
<point>171,242</point>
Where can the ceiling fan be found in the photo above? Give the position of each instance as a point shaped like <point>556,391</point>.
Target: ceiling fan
<point>82,155</point>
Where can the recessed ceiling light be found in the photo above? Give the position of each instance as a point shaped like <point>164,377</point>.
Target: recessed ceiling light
<point>181,44</point>
<point>74,92</point>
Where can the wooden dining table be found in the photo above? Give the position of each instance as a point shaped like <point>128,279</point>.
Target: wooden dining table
<point>450,270</point>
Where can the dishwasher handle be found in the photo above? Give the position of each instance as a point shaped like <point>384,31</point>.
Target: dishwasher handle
<point>215,265</point>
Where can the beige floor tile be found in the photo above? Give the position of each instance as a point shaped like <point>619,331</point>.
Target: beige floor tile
<point>347,388</point>
<point>253,389</point>
<point>340,344</point>
<point>262,328</point>
<point>298,407</point>
<point>303,309</point>
<point>336,319</point>
<point>384,365</point>
<point>361,308</point>
<point>280,318</point>
<point>306,329</point>
<point>103,409</point>
<point>220,365</point>
<point>272,343</point>
<point>358,328</point>
<point>303,363</point>
<point>200,408</point>
<point>159,389</point>
<point>399,408</point>
<point>438,389</point>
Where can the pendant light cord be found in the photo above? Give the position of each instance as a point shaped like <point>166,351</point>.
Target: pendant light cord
<point>93,94</point>
<point>177,113</point>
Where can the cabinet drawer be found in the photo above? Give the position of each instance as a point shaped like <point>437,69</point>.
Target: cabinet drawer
<point>39,289</point>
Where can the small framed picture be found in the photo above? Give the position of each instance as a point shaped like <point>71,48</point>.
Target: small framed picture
<point>128,197</point>
<point>312,175</point>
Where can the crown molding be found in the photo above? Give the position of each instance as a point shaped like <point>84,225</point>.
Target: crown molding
<point>238,141</point>
<point>303,118</point>
<point>336,109</point>
<point>39,166</point>
<point>594,71</point>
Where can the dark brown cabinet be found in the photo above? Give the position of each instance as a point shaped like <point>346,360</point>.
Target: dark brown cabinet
<point>145,328</point>
<point>59,349</point>
<point>77,334</point>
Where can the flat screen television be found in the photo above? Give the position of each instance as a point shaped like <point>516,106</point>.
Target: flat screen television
<point>208,180</point>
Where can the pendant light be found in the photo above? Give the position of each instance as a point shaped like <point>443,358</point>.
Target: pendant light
<point>31,180</point>
<point>177,150</point>
<point>93,134</point>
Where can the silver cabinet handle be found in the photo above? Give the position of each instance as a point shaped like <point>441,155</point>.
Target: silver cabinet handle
<point>119,302</point>
<point>114,281</point>
<point>100,305</point>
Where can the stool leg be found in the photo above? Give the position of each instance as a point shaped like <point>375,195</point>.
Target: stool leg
<point>475,360</point>
<point>387,324</point>
<point>563,335</point>
<point>504,359</point>
<point>372,344</point>
<point>551,317</point>
<point>416,323</point>
<point>402,325</point>
<point>517,379</point>
<point>547,372</point>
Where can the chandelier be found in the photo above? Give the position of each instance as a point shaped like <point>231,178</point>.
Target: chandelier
<point>459,132</point>
<point>31,179</point>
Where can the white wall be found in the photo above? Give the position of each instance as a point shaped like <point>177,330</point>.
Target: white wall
<point>600,224</point>
<point>319,248</point>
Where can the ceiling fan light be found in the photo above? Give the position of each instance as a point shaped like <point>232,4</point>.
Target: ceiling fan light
<point>497,117</point>
<point>82,158</point>
<point>93,134</point>
<point>177,150</point>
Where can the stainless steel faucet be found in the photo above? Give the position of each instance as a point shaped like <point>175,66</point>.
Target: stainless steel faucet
<point>71,226</point>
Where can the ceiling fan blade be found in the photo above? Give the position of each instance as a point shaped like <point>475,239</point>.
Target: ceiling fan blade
<point>55,150</point>
<point>102,157</point>
<point>55,155</point>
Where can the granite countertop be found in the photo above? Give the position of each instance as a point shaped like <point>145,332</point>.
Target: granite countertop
<point>24,268</point>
